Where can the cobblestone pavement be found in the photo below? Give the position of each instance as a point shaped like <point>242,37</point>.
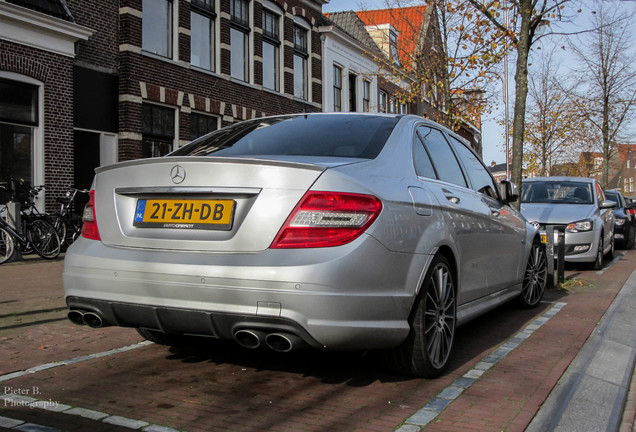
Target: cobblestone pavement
<point>58,376</point>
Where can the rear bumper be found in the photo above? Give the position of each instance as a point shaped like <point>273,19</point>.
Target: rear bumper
<point>356,296</point>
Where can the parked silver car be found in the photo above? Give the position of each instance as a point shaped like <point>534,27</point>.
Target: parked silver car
<point>577,203</point>
<point>331,231</point>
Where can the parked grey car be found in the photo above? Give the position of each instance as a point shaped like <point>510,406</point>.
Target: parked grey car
<point>577,203</point>
<point>330,231</point>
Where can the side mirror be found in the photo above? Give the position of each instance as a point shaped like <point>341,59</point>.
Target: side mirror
<point>607,204</point>
<point>509,192</point>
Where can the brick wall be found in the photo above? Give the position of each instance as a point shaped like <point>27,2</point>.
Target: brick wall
<point>102,16</point>
<point>147,78</point>
<point>56,73</point>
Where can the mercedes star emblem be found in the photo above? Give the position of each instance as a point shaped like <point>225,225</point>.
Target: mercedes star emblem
<point>177,174</point>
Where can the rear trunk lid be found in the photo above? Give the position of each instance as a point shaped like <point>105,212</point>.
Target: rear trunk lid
<point>199,203</point>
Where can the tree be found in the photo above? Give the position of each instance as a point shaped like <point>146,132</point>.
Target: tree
<point>521,30</point>
<point>605,94</point>
<point>554,127</point>
<point>449,62</point>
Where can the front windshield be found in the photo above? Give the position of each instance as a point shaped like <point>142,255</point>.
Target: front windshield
<point>557,192</point>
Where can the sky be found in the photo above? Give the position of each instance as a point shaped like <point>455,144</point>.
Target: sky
<point>492,131</point>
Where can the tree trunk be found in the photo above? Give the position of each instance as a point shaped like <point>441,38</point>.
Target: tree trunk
<point>521,91</point>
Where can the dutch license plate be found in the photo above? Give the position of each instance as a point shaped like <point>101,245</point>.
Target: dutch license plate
<point>184,214</point>
<point>544,238</point>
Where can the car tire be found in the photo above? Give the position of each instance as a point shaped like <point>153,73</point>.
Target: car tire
<point>535,277</point>
<point>162,338</point>
<point>427,348</point>
<point>598,263</point>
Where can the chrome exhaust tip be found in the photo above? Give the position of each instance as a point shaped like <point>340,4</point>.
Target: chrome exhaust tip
<point>93,320</point>
<point>76,317</point>
<point>251,339</point>
<point>284,342</point>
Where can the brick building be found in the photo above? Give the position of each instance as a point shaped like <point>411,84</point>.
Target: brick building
<point>143,77</point>
<point>37,50</point>
<point>84,84</point>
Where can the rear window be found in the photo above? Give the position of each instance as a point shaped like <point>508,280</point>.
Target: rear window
<point>557,192</point>
<point>351,136</point>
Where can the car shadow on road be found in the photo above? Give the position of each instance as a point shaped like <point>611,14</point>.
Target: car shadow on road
<point>359,369</point>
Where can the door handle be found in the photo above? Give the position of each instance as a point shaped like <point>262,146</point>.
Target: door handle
<point>453,199</point>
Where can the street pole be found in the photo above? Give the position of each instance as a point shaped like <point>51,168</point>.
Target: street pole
<point>505,90</point>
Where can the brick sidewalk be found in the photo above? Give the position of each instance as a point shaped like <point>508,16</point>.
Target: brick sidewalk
<point>224,388</point>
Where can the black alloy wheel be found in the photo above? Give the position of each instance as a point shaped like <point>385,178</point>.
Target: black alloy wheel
<point>426,350</point>
<point>535,277</point>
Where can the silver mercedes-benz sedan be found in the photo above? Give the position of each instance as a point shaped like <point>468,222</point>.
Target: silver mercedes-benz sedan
<point>578,204</point>
<point>329,231</point>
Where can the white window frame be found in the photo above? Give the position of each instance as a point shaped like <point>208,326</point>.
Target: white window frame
<point>383,101</point>
<point>175,139</point>
<point>215,51</point>
<point>174,34</point>
<point>248,30</point>
<point>302,23</point>
<point>37,164</point>
<point>337,90</point>
<point>366,95</point>
<point>273,8</point>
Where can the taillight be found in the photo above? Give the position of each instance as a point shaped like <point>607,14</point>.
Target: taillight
<point>89,226</point>
<point>325,219</point>
<point>631,211</point>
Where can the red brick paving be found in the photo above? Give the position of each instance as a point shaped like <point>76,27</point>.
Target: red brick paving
<point>222,387</point>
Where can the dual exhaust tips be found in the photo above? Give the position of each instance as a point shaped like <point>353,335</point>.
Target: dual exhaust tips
<point>90,319</point>
<point>252,339</point>
<point>279,342</point>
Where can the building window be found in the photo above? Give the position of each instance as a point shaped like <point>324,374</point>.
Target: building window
<point>157,27</point>
<point>201,124</point>
<point>393,106</point>
<point>271,50</point>
<point>628,163</point>
<point>404,108</point>
<point>353,92</point>
<point>18,119</point>
<point>366,95</point>
<point>337,88</point>
<point>393,46</point>
<point>157,128</point>
<point>384,99</point>
<point>301,56</point>
<point>202,34</point>
<point>631,184</point>
<point>239,39</point>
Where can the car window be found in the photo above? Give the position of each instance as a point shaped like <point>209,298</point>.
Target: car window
<point>479,177</point>
<point>421,160</point>
<point>600,194</point>
<point>354,136</point>
<point>443,158</point>
<point>557,192</point>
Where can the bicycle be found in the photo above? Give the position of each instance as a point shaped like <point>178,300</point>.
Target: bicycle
<point>70,224</point>
<point>36,233</point>
<point>26,194</point>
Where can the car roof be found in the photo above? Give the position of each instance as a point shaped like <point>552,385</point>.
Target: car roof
<point>573,179</point>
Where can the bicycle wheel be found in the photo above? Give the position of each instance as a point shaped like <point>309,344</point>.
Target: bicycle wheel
<point>7,246</point>
<point>60,226</point>
<point>43,238</point>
